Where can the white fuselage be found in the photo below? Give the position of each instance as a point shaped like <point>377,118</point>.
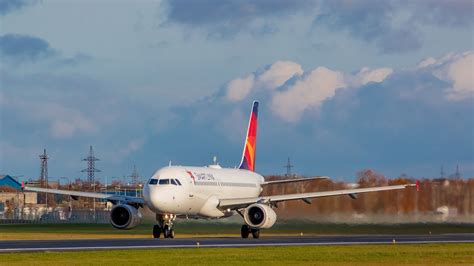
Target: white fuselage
<point>196,191</point>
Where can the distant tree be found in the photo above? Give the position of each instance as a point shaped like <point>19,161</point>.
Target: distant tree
<point>369,178</point>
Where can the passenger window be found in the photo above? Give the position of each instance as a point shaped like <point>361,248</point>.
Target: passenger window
<point>173,182</point>
<point>177,181</point>
<point>153,181</point>
<point>164,182</point>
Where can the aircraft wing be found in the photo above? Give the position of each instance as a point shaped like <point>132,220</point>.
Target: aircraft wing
<point>294,180</point>
<point>244,202</point>
<point>109,197</point>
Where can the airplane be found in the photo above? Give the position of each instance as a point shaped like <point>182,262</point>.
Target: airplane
<point>209,192</point>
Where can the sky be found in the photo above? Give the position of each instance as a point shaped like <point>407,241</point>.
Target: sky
<point>343,85</point>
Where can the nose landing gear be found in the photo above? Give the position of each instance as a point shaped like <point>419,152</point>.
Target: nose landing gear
<point>165,226</point>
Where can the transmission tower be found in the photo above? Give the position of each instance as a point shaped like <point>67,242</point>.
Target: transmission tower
<point>135,176</point>
<point>44,169</point>
<point>288,167</point>
<point>91,170</point>
<point>43,178</point>
<point>457,175</point>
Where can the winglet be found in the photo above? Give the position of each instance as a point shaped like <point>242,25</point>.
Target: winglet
<point>248,156</point>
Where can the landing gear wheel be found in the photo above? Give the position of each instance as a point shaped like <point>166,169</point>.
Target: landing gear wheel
<point>166,232</point>
<point>255,233</point>
<point>165,223</point>
<point>156,231</point>
<point>245,231</point>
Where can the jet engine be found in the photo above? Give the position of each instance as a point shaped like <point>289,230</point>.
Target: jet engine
<point>259,216</point>
<point>125,216</point>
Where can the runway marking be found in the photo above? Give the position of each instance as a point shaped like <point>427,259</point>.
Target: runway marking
<point>9,250</point>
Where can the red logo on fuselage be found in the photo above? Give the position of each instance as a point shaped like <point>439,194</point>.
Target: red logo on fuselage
<point>192,176</point>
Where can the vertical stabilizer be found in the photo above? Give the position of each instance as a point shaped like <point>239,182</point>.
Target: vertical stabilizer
<point>248,156</point>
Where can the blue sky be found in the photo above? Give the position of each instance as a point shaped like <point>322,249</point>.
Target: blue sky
<point>343,85</point>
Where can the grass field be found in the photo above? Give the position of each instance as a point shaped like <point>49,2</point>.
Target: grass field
<point>425,254</point>
<point>199,229</point>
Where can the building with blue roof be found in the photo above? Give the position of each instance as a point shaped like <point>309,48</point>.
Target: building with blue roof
<point>8,181</point>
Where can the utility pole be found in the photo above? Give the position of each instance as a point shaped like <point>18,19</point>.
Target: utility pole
<point>69,197</point>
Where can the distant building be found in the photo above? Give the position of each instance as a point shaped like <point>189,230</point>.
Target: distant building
<point>8,181</point>
<point>12,198</point>
<point>20,198</point>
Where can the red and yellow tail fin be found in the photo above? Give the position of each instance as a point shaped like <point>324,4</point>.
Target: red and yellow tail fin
<point>248,156</point>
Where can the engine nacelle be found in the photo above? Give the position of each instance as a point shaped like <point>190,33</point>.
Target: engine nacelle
<point>259,216</point>
<point>125,216</point>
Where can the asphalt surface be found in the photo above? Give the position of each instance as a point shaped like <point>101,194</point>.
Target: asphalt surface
<point>110,244</point>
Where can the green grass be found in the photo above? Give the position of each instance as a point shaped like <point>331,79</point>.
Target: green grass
<point>447,254</point>
<point>196,229</point>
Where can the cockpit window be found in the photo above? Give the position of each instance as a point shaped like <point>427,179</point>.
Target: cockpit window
<point>177,181</point>
<point>153,181</point>
<point>173,182</point>
<point>164,182</point>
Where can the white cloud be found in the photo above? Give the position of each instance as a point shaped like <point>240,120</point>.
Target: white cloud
<point>366,75</point>
<point>427,62</point>
<point>239,88</point>
<point>309,92</point>
<point>121,154</point>
<point>461,73</point>
<point>65,129</point>
<point>279,73</point>
<point>275,76</point>
<point>63,121</point>
<point>133,145</point>
<point>456,68</point>
<point>431,63</point>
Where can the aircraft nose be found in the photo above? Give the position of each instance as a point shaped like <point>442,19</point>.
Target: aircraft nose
<point>153,199</point>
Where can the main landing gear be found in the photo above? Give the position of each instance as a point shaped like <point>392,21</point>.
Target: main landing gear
<point>245,231</point>
<point>165,226</point>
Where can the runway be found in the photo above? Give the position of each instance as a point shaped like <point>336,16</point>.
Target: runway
<point>148,243</point>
